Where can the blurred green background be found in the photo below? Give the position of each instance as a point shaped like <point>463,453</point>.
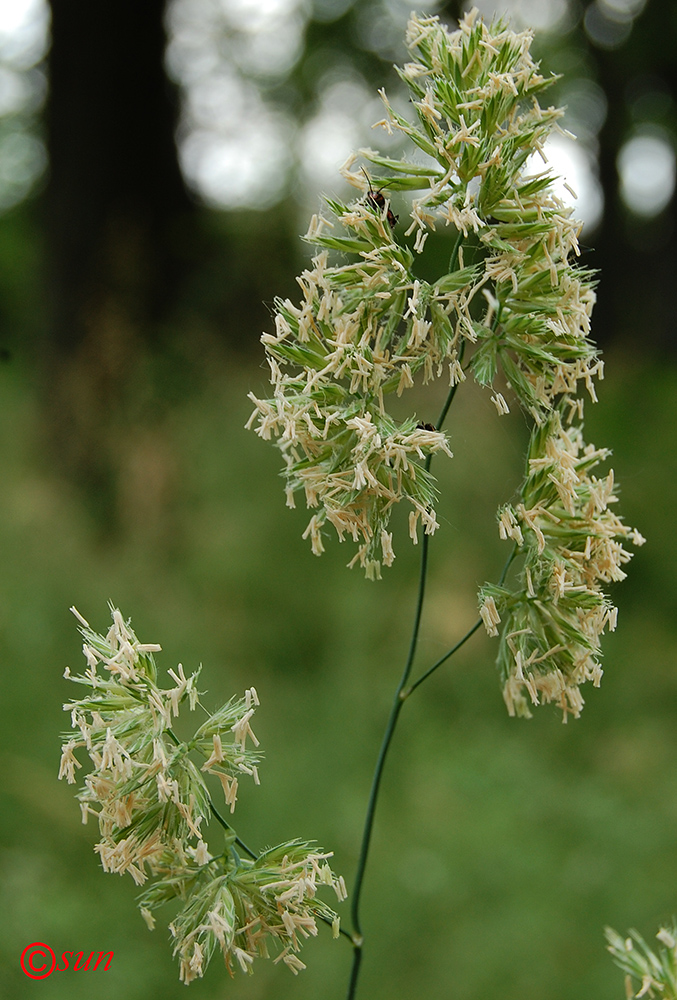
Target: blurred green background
<point>134,283</point>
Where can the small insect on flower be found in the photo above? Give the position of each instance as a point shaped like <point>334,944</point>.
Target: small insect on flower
<point>377,200</point>
<point>425,427</point>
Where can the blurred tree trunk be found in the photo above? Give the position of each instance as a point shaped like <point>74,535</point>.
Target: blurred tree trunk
<point>610,239</point>
<point>117,218</point>
<point>452,11</point>
<point>634,255</point>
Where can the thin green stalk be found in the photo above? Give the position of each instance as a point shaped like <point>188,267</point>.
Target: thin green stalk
<point>376,781</point>
<point>405,694</point>
<point>395,710</point>
<point>401,696</point>
<point>445,410</point>
<point>215,813</point>
<point>226,826</point>
<point>453,260</point>
<point>443,659</point>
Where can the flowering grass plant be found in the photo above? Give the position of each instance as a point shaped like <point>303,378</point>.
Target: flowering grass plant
<point>376,316</point>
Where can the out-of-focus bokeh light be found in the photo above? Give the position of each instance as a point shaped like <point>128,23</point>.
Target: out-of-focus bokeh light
<point>608,23</point>
<point>576,183</point>
<point>330,136</point>
<point>586,109</point>
<point>348,108</point>
<point>235,147</point>
<point>646,166</point>
<point>381,26</point>
<point>247,166</point>
<point>24,32</point>
<point>262,39</point>
<point>330,10</point>
<point>24,39</point>
<point>23,159</point>
<point>622,10</point>
<point>605,32</point>
<point>575,161</point>
<point>540,15</point>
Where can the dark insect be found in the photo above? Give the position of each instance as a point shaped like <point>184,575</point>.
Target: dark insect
<point>425,427</point>
<point>377,200</point>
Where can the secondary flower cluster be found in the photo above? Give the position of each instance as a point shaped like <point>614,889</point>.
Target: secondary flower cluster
<point>656,973</point>
<point>367,327</point>
<point>151,801</point>
<point>572,544</point>
<point>240,905</point>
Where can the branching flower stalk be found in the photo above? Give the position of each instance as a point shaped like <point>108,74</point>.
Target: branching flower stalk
<point>151,800</point>
<point>513,308</point>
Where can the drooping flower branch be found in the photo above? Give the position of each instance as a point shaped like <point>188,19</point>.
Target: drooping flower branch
<point>151,801</point>
<point>572,544</point>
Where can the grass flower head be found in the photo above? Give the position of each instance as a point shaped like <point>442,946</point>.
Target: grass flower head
<point>148,791</point>
<point>368,325</point>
